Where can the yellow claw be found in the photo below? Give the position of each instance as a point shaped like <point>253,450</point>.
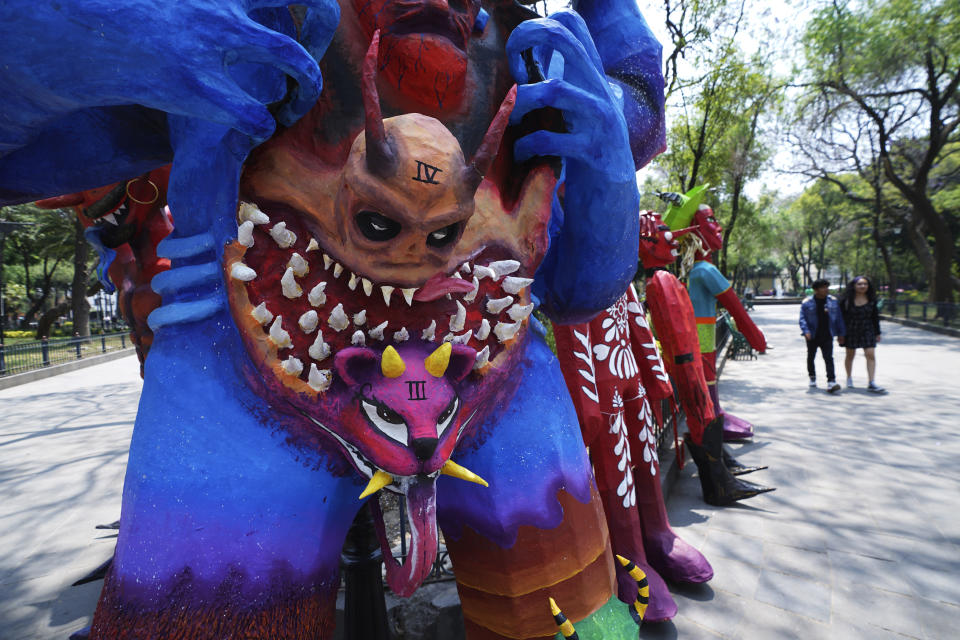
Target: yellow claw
<point>554,609</point>
<point>379,480</point>
<point>451,468</point>
<point>566,627</point>
<point>391,364</point>
<point>437,362</point>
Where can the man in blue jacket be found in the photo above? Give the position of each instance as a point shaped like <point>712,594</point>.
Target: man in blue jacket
<point>820,321</point>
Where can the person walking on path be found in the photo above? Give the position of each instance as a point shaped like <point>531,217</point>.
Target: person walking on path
<point>820,321</point>
<point>862,320</point>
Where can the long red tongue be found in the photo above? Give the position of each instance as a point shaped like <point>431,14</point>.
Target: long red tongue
<point>440,285</point>
<point>404,579</point>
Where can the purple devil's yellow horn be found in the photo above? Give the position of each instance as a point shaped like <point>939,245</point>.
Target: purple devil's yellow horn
<point>391,364</point>
<point>438,361</point>
<point>379,480</point>
<point>451,468</point>
<point>566,627</point>
<point>643,589</point>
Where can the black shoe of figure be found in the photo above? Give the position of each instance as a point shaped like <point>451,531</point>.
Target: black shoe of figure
<point>734,467</point>
<point>720,487</point>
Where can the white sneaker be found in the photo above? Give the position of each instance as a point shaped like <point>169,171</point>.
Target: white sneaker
<point>813,383</point>
<point>875,388</point>
<point>849,383</point>
<point>833,387</point>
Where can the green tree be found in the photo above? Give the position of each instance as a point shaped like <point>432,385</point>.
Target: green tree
<point>890,68</point>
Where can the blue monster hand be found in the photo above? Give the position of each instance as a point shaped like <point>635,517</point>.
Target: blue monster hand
<point>175,57</point>
<point>593,249</point>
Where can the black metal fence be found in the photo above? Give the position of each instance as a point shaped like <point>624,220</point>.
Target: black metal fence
<point>27,356</point>
<point>943,313</point>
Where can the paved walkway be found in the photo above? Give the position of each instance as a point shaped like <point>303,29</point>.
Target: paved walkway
<point>860,540</point>
<point>63,452</point>
<point>862,537</point>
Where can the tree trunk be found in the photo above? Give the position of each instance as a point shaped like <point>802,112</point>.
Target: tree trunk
<point>728,228</point>
<point>78,288</point>
<point>49,317</point>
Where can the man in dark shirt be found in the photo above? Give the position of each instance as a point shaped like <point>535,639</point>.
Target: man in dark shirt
<point>820,321</point>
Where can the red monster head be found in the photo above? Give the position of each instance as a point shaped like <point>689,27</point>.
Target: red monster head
<point>658,246</point>
<point>425,43</point>
<point>708,228</point>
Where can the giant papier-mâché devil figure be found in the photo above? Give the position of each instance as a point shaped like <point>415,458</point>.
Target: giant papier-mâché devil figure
<point>362,321</point>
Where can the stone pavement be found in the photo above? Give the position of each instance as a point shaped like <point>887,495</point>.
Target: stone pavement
<point>862,537</point>
<point>860,540</point>
<point>63,453</point>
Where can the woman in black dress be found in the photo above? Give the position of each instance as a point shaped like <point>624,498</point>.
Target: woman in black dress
<point>860,314</point>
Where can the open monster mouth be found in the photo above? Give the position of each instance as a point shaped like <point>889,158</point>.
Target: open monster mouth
<point>297,303</point>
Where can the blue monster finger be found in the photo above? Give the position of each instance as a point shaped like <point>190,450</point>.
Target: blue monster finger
<point>575,24</point>
<point>549,143</point>
<point>553,35</point>
<point>560,95</point>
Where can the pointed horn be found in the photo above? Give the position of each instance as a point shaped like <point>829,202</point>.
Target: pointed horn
<point>483,157</point>
<point>451,468</point>
<point>379,480</point>
<point>391,364</point>
<point>381,159</point>
<point>438,361</point>
<point>566,627</point>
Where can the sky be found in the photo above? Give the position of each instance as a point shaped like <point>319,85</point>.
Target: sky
<point>777,21</point>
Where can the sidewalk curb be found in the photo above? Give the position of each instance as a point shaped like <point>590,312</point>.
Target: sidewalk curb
<point>926,326</point>
<point>17,379</point>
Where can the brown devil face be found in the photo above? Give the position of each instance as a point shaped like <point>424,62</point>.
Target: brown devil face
<point>403,226</point>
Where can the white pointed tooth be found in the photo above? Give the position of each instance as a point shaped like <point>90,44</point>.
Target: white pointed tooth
<point>463,338</point>
<point>112,219</point>
<point>387,291</point>
<point>240,271</point>
<point>515,285</point>
<point>338,319</point>
<point>261,314</point>
<point>459,318</point>
<point>298,264</point>
<point>367,286</point>
<point>309,321</point>
<point>317,297</point>
<point>504,267</point>
<point>358,339</point>
<point>282,236</point>
<point>401,336</point>
<point>251,212</point>
<point>319,379</point>
<point>327,261</point>
<point>448,338</point>
<point>430,332</point>
<point>360,318</point>
<point>465,267</point>
<point>319,350</point>
<point>496,305</point>
<point>456,274</point>
<point>484,272</point>
<point>519,312</point>
<point>408,295</point>
<point>312,245</point>
<point>484,331</point>
<point>278,335</point>
<point>377,332</point>
<point>470,297</point>
<point>674,253</point>
<point>483,357</point>
<point>337,269</point>
<point>289,286</point>
<point>245,234</point>
<point>505,330</point>
<point>293,366</point>
<point>352,283</point>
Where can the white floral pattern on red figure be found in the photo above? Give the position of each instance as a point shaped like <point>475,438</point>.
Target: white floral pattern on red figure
<point>589,374</point>
<point>648,435</point>
<point>650,348</point>
<point>616,339</point>
<point>618,427</point>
